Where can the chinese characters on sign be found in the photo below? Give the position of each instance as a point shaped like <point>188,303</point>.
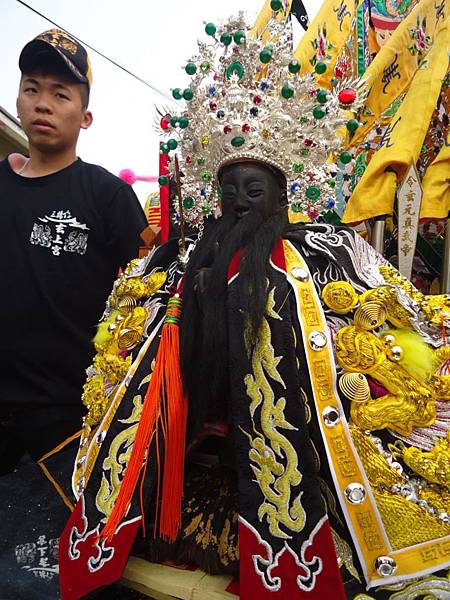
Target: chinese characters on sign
<point>409,201</point>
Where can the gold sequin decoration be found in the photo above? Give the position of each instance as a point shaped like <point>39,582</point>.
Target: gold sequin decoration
<point>406,523</point>
<point>94,399</point>
<point>434,466</point>
<point>121,330</point>
<point>377,469</point>
<point>433,307</point>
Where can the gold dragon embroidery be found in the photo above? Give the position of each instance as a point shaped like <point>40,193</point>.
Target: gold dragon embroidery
<point>273,458</point>
<point>119,455</point>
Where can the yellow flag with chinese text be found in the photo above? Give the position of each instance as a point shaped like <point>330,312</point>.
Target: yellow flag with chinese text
<point>403,137</point>
<point>326,39</point>
<point>391,72</point>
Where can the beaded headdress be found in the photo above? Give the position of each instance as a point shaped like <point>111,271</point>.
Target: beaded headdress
<point>247,100</point>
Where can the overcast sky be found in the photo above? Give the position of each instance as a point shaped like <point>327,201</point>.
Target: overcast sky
<point>151,38</point>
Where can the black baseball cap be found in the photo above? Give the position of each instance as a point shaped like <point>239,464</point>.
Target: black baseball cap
<point>68,48</point>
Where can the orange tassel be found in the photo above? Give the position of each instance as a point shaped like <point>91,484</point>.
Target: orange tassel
<point>165,408</point>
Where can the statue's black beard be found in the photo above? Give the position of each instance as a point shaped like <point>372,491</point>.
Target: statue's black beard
<point>204,321</point>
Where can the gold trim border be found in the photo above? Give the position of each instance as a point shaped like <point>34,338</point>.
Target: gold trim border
<point>368,533</point>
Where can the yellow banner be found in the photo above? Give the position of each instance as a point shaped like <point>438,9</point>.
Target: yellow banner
<point>326,37</point>
<point>403,137</point>
<point>436,185</point>
<point>394,67</point>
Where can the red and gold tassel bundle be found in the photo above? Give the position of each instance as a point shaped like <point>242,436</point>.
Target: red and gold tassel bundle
<point>164,409</point>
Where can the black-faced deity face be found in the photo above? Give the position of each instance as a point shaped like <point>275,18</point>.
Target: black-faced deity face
<point>248,187</point>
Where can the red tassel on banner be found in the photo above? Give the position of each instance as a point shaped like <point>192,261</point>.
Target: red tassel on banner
<point>165,408</point>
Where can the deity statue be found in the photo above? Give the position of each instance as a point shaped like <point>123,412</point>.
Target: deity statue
<point>268,399</point>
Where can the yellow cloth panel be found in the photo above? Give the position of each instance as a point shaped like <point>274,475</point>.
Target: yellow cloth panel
<point>380,96</point>
<point>436,186</point>
<point>374,193</point>
<point>338,26</point>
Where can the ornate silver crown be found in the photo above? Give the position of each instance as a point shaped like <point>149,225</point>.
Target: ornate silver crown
<point>247,100</point>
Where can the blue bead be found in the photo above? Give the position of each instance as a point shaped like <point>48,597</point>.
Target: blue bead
<point>212,90</point>
<point>203,192</point>
<point>264,85</point>
<point>295,187</point>
<point>330,203</point>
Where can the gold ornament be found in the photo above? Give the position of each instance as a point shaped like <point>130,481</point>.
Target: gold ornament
<point>355,387</point>
<point>434,466</point>
<point>125,324</point>
<point>388,340</point>
<point>435,308</point>
<point>370,315</point>
<point>395,353</point>
<point>358,350</point>
<point>406,523</point>
<point>126,304</point>
<point>128,338</point>
<point>407,404</point>
<point>340,296</point>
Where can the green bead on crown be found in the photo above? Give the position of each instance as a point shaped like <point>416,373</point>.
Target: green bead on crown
<point>210,29</point>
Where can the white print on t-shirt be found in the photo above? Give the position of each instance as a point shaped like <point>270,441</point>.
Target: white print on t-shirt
<point>60,231</point>
<point>39,558</point>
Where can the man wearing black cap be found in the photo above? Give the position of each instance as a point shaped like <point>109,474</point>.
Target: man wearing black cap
<point>67,227</point>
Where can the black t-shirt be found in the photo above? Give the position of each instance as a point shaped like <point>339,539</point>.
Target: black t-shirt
<point>64,237</point>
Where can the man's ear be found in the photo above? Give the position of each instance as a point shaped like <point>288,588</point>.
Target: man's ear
<point>87,119</point>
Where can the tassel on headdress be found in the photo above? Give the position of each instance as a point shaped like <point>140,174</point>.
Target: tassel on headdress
<point>165,411</point>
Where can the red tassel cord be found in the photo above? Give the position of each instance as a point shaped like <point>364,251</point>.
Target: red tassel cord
<point>164,410</point>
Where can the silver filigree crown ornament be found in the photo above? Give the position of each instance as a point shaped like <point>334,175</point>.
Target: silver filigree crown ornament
<point>247,101</point>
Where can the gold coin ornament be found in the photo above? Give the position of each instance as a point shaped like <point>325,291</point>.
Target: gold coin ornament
<point>340,296</point>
